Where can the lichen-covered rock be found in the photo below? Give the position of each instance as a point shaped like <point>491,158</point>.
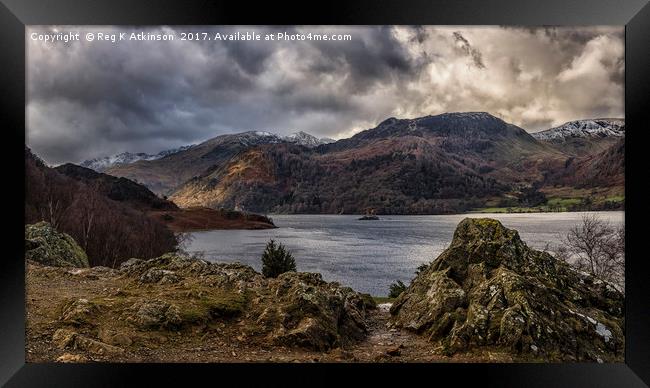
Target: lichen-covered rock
<point>308,312</point>
<point>153,314</point>
<point>78,312</point>
<point>69,339</point>
<point>156,275</point>
<point>294,309</point>
<point>175,296</point>
<point>489,289</point>
<point>46,246</point>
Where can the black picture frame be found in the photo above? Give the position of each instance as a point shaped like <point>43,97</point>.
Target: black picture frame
<point>16,14</point>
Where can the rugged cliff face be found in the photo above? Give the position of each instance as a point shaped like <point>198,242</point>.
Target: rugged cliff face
<point>489,289</point>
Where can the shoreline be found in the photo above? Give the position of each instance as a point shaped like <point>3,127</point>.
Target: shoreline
<point>445,214</point>
<point>198,219</point>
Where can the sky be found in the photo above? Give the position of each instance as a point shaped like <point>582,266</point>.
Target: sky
<point>88,99</point>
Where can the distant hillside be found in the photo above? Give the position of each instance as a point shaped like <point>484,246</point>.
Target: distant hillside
<point>435,164</point>
<point>447,163</point>
<point>164,175</point>
<point>117,189</point>
<point>603,169</point>
<point>109,231</point>
<point>582,137</point>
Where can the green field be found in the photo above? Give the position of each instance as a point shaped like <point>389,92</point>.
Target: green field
<point>553,204</point>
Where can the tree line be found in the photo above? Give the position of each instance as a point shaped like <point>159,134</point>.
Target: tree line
<point>110,232</point>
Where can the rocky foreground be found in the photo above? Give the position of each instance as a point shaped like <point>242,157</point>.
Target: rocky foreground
<point>486,298</point>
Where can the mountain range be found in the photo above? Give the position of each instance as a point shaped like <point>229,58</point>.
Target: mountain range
<point>101,164</point>
<point>105,162</point>
<point>434,164</point>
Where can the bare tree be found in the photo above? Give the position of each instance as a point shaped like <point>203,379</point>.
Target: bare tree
<point>596,247</point>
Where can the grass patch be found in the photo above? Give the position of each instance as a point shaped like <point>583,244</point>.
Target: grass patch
<point>383,299</point>
<point>225,304</point>
<point>509,210</point>
<point>615,198</point>
<point>564,202</point>
<point>213,305</point>
<point>557,204</point>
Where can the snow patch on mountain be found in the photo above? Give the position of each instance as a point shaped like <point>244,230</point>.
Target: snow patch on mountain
<point>265,137</point>
<point>103,163</point>
<point>596,128</point>
<point>306,139</point>
<point>249,138</point>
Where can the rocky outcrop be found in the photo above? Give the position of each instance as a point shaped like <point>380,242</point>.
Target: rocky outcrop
<point>47,246</point>
<point>490,289</point>
<point>179,298</point>
<point>295,309</point>
<point>304,310</point>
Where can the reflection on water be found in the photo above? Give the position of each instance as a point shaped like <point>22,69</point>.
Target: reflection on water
<point>369,255</point>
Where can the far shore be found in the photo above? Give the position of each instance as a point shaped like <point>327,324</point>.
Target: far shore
<point>202,218</point>
<point>481,211</point>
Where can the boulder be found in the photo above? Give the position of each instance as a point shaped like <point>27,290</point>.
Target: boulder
<point>490,289</point>
<point>71,358</point>
<point>46,246</point>
<point>69,339</point>
<point>78,312</point>
<point>153,314</point>
<point>313,314</point>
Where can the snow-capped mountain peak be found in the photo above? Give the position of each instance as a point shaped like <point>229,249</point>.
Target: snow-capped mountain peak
<point>592,128</point>
<point>249,139</point>
<point>307,140</point>
<point>265,137</point>
<point>103,163</point>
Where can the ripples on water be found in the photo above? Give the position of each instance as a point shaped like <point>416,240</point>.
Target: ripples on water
<point>369,255</point>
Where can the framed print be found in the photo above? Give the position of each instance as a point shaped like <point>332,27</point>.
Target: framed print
<point>378,190</point>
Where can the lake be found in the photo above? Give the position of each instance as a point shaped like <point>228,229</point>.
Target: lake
<point>370,255</point>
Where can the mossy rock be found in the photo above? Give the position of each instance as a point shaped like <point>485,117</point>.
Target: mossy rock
<point>369,302</point>
<point>489,289</point>
<point>46,246</point>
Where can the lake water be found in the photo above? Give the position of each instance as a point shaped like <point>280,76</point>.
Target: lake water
<point>370,255</point>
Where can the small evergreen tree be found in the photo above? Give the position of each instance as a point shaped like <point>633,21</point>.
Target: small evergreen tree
<point>396,289</point>
<point>276,260</point>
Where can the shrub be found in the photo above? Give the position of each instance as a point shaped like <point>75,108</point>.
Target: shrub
<point>276,260</point>
<point>396,289</point>
<point>421,268</point>
<point>597,247</point>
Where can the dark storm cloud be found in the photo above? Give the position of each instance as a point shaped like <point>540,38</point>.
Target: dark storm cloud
<point>93,99</point>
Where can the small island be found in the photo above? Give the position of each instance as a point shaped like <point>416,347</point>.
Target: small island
<point>369,216</point>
